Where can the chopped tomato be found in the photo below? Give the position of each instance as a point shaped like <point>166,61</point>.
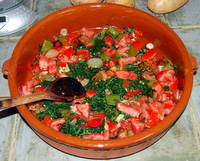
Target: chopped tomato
<point>166,75</point>
<point>87,32</point>
<point>43,62</point>
<point>72,38</point>
<point>135,92</point>
<point>152,120</point>
<point>109,41</point>
<point>110,52</point>
<point>84,109</point>
<point>90,93</point>
<point>134,112</point>
<point>126,83</point>
<point>47,120</point>
<point>94,122</point>
<point>69,52</point>
<point>137,125</point>
<point>123,74</point>
<point>112,126</point>
<point>149,54</point>
<point>169,104</point>
<point>83,54</point>
<point>127,60</point>
<point>39,89</point>
<point>56,124</point>
<point>52,67</point>
<point>137,45</point>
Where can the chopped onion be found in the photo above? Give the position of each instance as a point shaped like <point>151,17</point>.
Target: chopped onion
<point>95,62</point>
<point>52,53</point>
<point>63,32</point>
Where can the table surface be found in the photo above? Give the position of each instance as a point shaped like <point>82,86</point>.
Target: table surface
<point>181,143</point>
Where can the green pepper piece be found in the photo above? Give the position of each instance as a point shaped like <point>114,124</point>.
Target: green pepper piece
<point>150,83</point>
<point>46,46</point>
<point>104,57</point>
<point>113,32</point>
<point>112,99</point>
<point>61,38</point>
<point>132,52</point>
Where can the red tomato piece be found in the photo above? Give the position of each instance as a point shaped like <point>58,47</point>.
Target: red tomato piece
<point>128,60</point>
<point>52,67</point>
<point>169,104</point>
<point>112,126</point>
<point>43,62</point>
<point>56,124</point>
<point>110,52</point>
<point>90,93</point>
<point>123,74</point>
<point>133,93</point>
<point>134,112</point>
<point>83,54</point>
<point>149,54</point>
<point>69,52</point>
<point>126,83</point>
<point>166,76</point>
<point>39,89</point>
<point>87,32</point>
<point>137,45</point>
<point>47,120</point>
<point>136,125</point>
<point>109,41</point>
<point>84,109</point>
<point>100,114</point>
<point>72,38</point>
<point>97,136</point>
<point>152,120</point>
<point>94,122</point>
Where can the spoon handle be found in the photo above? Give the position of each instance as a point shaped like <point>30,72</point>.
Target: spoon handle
<point>11,102</point>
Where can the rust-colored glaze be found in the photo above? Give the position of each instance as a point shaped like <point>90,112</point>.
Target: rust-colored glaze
<point>97,15</point>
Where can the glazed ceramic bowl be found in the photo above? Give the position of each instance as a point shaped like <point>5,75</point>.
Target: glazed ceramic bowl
<point>97,15</point>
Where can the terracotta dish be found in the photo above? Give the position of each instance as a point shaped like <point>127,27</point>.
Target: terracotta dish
<point>97,15</point>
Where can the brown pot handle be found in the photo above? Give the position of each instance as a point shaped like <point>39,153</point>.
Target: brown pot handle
<point>194,63</point>
<point>6,67</point>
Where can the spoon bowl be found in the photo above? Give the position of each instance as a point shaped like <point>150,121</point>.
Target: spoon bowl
<point>65,88</point>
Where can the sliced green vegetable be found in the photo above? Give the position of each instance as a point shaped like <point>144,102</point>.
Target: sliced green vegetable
<point>132,52</point>
<point>46,46</point>
<point>114,33</point>
<point>104,57</point>
<point>112,99</point>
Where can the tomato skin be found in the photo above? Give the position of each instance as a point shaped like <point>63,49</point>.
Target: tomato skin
<point>83,54</point>
<point>149,54</point>
<point>47,120</point>
<point>97,122</point>
<point>166,75</point>
<point>90,93</point>
<point>137,45</point>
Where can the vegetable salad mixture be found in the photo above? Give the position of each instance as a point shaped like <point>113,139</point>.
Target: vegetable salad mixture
<point>129,85</point>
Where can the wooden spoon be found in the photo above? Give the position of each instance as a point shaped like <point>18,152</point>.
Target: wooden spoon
<point>66,88</point>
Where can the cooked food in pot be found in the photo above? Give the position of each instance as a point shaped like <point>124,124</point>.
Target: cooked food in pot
<point>130,85</point>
